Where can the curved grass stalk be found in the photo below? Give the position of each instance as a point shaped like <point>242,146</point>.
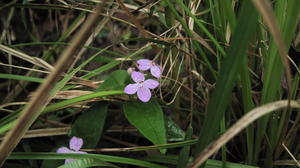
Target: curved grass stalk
<point>241,124</point>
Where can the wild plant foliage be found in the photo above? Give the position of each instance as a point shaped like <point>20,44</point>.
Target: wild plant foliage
<point>158,83</point>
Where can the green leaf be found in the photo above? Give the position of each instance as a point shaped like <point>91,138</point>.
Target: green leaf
<point>83,163</point>
<point>115,81</point>
<point>148,119</point>
<point>90,124</point>
<point>174,132</point>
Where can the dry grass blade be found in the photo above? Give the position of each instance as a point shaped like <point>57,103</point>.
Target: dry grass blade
<point>8,4</point>
<point>20,67</point>
<point>93,35</point>
<point>2,106</point>
<point>265,9</point>
<point>136,23</point>
<point>42,96</point>
<point>242,123</point>
<point>45,132</point>
<point>285,163</point>
<point>293,157</point>
<point>69,94</point>
<point>66,94</point>
<point>297,39</point>
<point>204,43</point>
<point>34,60</point>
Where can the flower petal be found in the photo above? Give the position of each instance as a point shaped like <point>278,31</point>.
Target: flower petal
<point>151,84</point>
<point>144,94</point>
<point>63,150</point>
<point>76,143</point>
<point>137,76</point>
<point>156,71</point>
<point>131,88</point>
<point>144,67</point>
<point>144,64</point>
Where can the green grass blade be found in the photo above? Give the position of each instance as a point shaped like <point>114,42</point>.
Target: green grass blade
<point>68,102</point>
<point>190,34</point>
<point>85,163</point>
<point>228,12</point>
<point>20,77</point>
<point>114,63</point>
<point>185,151</point>
<point>232,65</point>
<point>202,27</point>
<point>287,13</point>
<point>106,158</point>
<point>248,105</point>
<point>7,125</point>
<point>172,159</point>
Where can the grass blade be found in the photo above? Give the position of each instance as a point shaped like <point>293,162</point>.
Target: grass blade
<point>41,98</point>
<point>242,123</point>
<point>228,74</point>
<point>106,158</point>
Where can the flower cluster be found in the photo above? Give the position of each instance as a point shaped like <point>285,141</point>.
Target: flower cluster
<point>75,144</point>
<point>141,86</point>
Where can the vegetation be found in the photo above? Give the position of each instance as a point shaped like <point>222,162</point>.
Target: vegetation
<point>157,83</point>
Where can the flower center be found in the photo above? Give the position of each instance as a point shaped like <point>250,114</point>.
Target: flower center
<point>140,84</point>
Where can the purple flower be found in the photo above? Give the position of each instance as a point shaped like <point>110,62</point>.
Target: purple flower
<point>145,64</point>
<point>141,87</point>
<point>75,145</point>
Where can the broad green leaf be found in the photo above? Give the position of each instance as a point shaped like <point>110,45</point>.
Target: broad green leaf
<point>90,124</point>
<point>174,132</point>
<point>148,119</point>
<point>115,81</point>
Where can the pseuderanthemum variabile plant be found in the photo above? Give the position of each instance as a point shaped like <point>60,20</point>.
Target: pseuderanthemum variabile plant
<point>75,144</point>
<point>141,87</point>
<point>145,64</point>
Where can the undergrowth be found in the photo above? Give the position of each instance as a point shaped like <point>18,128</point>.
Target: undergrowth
<point>158,83</point>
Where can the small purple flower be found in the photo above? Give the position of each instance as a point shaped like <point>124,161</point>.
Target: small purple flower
<point>141,87</point>
<point>145,64</point>
<point>75,144</point>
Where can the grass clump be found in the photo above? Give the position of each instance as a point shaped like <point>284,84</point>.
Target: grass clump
<point>149,84</point>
